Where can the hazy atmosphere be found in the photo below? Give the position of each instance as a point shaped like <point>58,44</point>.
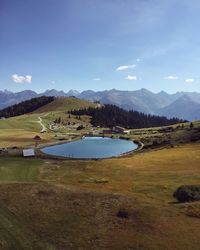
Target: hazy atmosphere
<point>100,44</point>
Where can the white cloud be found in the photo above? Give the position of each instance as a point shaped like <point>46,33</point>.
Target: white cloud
<point>189,80</point>
<point>21,79</point>
<point>52,82</point>
<point>171,77</point>
<point>97,79</point>
<point>131,78</point>
<point>138,60</point>
<point>124,67</point>
<point>28,78</point>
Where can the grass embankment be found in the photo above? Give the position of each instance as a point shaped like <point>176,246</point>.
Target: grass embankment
<point>19,131</point>
<point>168,135</point>
<point>74,204</point>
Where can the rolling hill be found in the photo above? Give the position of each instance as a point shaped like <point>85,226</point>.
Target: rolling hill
<point>25,107</point>
<point>45,104</point>
<point>141,100</point>
<point>65,104</point>
<point>8,98</point>
<point>111,115</point>
<point>21,129</point>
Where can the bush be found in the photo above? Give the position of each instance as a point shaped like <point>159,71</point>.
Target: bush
<point>187,193</point>
<point>80,127</point>
<point>191,125</point>
<point>123,213</point>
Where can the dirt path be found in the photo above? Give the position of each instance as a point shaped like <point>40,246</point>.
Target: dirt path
<point>44,129</point>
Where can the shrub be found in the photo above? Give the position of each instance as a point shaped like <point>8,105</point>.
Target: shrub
<point>191,125</point>
<point>37,137</point>
<point>187,193</point>
<point>123,213</point>
<point>80,127</point>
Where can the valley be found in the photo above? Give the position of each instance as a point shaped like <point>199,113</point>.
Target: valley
<point>118,203</point>
<point>99,125</point>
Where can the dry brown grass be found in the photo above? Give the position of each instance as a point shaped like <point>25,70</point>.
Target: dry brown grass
<point>72,208</point>
<point>65,104</point>
<point>73,219</point>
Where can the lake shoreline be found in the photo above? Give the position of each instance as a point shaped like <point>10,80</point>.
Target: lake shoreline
<point>45,155</point>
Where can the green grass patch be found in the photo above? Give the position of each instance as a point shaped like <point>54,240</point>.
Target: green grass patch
<point>19,169</point>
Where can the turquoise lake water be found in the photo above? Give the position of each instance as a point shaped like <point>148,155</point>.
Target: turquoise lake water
<point>92,147</point>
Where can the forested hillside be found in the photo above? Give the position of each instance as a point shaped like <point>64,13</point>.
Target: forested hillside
<point>26,106</point>
<point>111,115</point>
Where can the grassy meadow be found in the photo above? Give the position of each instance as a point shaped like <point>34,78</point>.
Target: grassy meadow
<point>74,204</point>
<point>19,131</point>
<point>120,203</point>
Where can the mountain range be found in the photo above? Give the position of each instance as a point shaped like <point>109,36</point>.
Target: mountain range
<point>8,98</point>
<point>183,105</point>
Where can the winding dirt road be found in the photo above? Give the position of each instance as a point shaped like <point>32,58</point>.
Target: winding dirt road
<point>44,129</point>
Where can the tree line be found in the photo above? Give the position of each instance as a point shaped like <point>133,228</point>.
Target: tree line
<point>111,115</point>
<point>25,106</point>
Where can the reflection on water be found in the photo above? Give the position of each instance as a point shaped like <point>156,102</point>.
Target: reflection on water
<point>92,147</point>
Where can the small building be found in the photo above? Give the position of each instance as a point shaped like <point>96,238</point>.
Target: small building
<point>28,152</point>
<point>127,132</point>
<point>37,138</point>
<point>118,129</point>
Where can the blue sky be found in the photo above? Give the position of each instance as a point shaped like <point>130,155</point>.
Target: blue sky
<point>100,44</point>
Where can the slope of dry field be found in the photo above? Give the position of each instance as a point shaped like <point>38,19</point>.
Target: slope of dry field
<point>74,204</point>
